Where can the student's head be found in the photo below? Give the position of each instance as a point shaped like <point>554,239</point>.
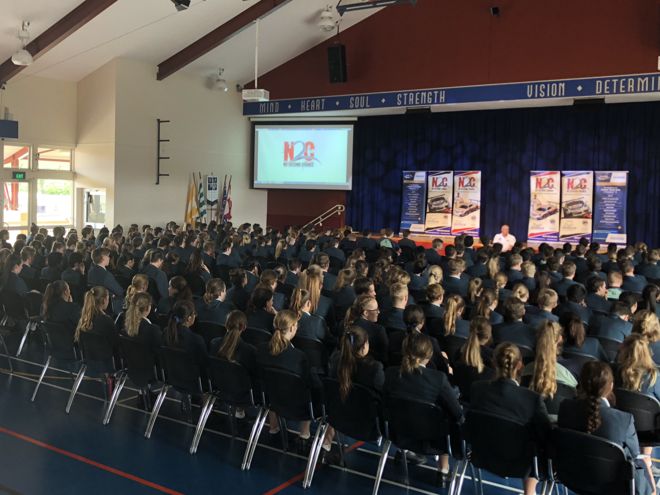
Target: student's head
<point>487,302</point>
<point>261,299</point>
<point>520,291</point>
<point>215,291</point>
<point>354,345</point>
<point>56,292</point>
<point>480,335</point>
<point>508,361</point>
<point>621,309</point>
<point>548,339</point>
<point>312,280</point>
<point>139,307</point>
<point>436,243</point>
<point>364,285</point>
<point>101,256</point>
<point>413,317</point>
<point>27,254</point>
<point>95,303</point>
<point>454,306</point>
<point>646,324</point>
<point>285,326</point>
<point>435,274</point>
<point>179,289</point>
<point>514,309</point>
<point>650,296</point>
<point>574,331</point>
<point>417,351</point>
<point>636,362</point>
<point>301,301</point>
<point>596,382</point>
<point>568,269</point>
<point>547,299</point>
<point>435,293</point>
<point>238,277</point>
<point>399,295</point>
<point>627,267</point>
<point>576,293</point>
<point>345,278</point>
<point>614,279</point>
<point>182,315</point>
<point>235,324</point>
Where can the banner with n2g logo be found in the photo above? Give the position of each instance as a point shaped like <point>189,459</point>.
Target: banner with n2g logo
<point>577,190</point>
<point>439,202</point>
<point>544,197</point>
<point>466,212</point>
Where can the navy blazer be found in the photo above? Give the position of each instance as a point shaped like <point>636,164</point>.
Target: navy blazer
<point>478,270</point>
<point>261,319</point>
<point>160,280</point>
<point>453,285</point>
<point>563,285</point>
<point>148,334</point>
<point>636,283</point>
<point>598,304</point>
<point>433,257</point>
<point>392,319</point>
<point>590,346</point>
<point>290,359</point>
<point>312,327</point>
<point>191,343</point>
<point>378,341</point>
<point>291,279</point>
<point>648,270</point>
<point>426,385</point>
<point>515,332</point>
<point>100,276</point>
<point>344,298</point>
<point>611,327</point>
<point>329,281</point>
<point>215,312</point>
<point>63,312</point>
<point>534,319</point>
<point>583,312</point>
<point>436,328</point>
<point>227,260</point>
<point>434,311</point>
<point>15,284</point>
<point>368,372</point>
<point>239,297</point>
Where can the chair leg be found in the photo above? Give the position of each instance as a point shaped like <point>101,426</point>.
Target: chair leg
<point>284,434</point>
<point>119,386</point>
<point>462,477</point>
<point>76,385</point>
<point>381,465</point>
<point>314,452</point>
<point>203,418</point>
<point>156,410</point>
<point>342,460</point>
<point>253,432</point>
<point>255,441</point>
<point>481,482</point>
<point>454,477</point>
<point>41,378</point>
<point>23,339</point>
<point>4,346</point>
<point>404,458</point>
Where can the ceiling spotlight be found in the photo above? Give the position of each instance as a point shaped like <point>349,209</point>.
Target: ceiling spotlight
<point>22,56</point>
<point>220,84</point>
<point>181,4</point>
<point>327,21</point>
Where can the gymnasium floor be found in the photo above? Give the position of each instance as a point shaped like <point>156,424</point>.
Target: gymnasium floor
<point>46,451</point>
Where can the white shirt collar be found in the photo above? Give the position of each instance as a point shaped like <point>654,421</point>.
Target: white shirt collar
<point>607,402</point>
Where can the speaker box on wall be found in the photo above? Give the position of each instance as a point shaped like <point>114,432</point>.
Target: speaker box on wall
<point>337,63</point>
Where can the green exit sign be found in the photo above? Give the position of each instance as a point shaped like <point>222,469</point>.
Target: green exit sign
<point>18,175</point>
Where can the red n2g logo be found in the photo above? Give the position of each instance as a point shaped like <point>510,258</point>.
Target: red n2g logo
<point>576,184</point>
<point>548,183</point>
<point>299,150</point>
<point>438,183</point>
<point>467,182</point>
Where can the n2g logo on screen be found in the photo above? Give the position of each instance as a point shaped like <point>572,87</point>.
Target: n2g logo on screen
<point>467,182</point>
<point>576,184</point>
<point>299,153</point>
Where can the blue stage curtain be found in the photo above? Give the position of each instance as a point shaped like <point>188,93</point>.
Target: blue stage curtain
<point>506,145</point>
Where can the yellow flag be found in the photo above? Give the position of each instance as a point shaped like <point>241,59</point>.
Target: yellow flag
<point>192,211</point>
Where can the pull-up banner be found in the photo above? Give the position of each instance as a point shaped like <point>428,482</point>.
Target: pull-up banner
<point>577,190</point>
<point>413,201</point>
<point>466,213</point>
<point>545,191</point>
<point>439,203</point>
<point>610,207</point>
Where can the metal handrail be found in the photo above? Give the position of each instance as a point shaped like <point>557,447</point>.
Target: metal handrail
<point>318,221</point>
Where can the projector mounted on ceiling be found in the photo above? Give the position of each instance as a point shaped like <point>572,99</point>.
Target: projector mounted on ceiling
<point>22,56</point>
<point>256,94</point>
<point>181,4</point>
<point>370,4</point>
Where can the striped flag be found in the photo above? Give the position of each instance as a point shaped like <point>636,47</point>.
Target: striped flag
<point>223,202</point>
<point>201,199</point>
<point>192,209</point>
<point>227,211</point>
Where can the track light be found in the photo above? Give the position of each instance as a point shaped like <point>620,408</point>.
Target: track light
<point>181,4</point>
<point>327,21</point>
<point>22,56</point>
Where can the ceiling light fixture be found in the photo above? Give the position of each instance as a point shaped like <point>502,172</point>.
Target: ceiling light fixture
<point>181,4</point>
<point>220,84</point>
<point>327,21</point>
<point>22,56</point>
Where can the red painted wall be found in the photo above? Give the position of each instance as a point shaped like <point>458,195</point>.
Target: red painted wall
<point>458,42</point>
<point>299,207</point>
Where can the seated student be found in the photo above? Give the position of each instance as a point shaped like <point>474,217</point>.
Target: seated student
<point>504,397</point>
<point>453,282</point>
<point>269,279</point>
<point>479,269</point>
<point>413,380</point>
<point>343,294</point>
<point>393,317</point>
<point>545,372</point>
<point>178,290</point>
<point>433,309</point>
<point>251,268</point>
<point>387,241</point>
<point>11,282</point>
<point>418,277</point>
<point>307,252</point>
<point>74,275</point>
<point>513,329</point>
<point>28,273</point>
<point>632,282</point>
<point>197,267</point>
<point>58,306</point>
<point>93,316</point>
<point>99,275</point>
<point>179,335</point>
<point>591,413</point>
<point>651,298</point>
<point>292,274</point>
<point>452,323</point>
<point>329,279</point>
<point>225,258</point>
<point>546,301</point>
<point>232,348</point>
<point>576,340</point>
<point>432,255</point>
<point>137,324</point>
<point>350,364</point>
<point>153,263</point>
<point>614,282</point>
<point>615,326</point>
<point>528,270</point>
<point>646,324</point>
<point>475,289</point>
<point>312,280</point>
<point>260,312</point>
<point>486,306</point>
<point>238,295</point>
<point>406,241</point>
<point>637,371</point>
<point>364,313</point>
<point>367,242</point>
<point>476,358</point>
<point>500,282</point>
<point>575,303</point>
<point>514,273</point>
<point>594,269</point>
<point>214,307</point>
<point>53,269</point>
<point>310,326</point>
<point>650,268</point>
<point>596,299</point>
<point>332,250</point>
<point>568,270</point>
<point>280,353</point>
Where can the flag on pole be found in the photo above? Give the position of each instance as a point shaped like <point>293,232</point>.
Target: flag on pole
<point>223,202</point>
<point>202,199</point>
<point>227,211</point>
<point>192,210</point>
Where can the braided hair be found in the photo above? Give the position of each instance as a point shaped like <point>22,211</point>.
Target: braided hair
<point>595,381</point>
<point>507,360</point>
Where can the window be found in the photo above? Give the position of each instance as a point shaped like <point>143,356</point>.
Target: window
<point>16,156</point>
<point>16,197</point>
<point>53,159</point>
<point>54,202</point>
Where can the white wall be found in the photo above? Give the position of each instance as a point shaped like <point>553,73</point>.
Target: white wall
<point>208,134</point>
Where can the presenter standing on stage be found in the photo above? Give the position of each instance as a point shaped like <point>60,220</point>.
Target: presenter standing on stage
<point>505,239</point>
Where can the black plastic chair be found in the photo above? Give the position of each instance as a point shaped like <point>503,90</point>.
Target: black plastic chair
<point>98,359</point>
<point>452,345</point>
<point>646,411</point>
<point>359,417</point>
<point>255,336</point>
<point>611,347</point>
<point>579,358</point>
<point>552,404</point>
<point>527,353</point>
<point>209,331</point>
<point>140,365</point>
<point>60,347</point>
<point>182,374</point>
<point>423,428</point>
<point>288,396</point>
<point>589,465</point>
<point>499,445</point>
<point>196,284</point>
<point>316,353</point>
<point>231,384</point>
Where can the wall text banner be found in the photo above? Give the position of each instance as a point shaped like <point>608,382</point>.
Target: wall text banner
<point>466,214</point>
<point>611,194</point>
<point>439,203</point>
<point>413,200</point>
<point>545,191</point>
<point>593,87</point>
<point>577,190</point>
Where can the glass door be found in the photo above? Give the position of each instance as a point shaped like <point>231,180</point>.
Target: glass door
<point>15,207</point>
